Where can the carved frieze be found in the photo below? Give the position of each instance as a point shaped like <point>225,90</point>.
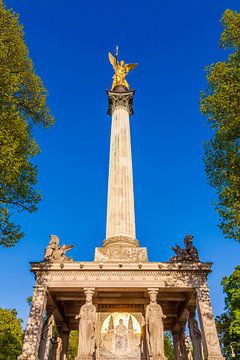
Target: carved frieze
<point>121,253</point>
<point>168,279</point>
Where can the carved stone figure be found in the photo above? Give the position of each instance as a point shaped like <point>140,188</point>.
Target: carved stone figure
<point>52,246</point>
<point>59,348</point>
<point>55,253</point>
<point>188,347</point>
<point>121,340</point>
<point>121,70</point>
<point>190,252</point>
<point>154,328</point>
<point>87,327</point>
<point>183,344</point>
<point>196,336</point>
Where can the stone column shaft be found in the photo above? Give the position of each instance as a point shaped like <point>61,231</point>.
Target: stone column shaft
<point>211,344</point>
<point>176,346</point>
<point>179,342</point>
<point>35,323</point>
<point>120,209</point>
<point>195,335</point>
<point>46,336</point>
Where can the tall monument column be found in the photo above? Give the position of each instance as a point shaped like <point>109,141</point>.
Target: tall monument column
<point>120,243</point>
<point>120,207</point>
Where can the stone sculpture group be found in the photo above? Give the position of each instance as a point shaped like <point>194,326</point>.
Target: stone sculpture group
<point>189,254</point>
<point>56,253</point>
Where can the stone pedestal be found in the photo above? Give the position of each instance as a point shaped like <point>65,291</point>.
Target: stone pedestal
<point>211,344</point>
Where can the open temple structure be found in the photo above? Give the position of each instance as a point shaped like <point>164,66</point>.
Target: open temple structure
<point>121,303</point>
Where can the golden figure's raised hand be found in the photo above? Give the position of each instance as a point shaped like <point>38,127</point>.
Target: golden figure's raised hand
<point>121,70</point>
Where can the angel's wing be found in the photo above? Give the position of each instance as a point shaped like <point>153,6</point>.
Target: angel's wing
<point>113,61</point>
<point>129,67</point>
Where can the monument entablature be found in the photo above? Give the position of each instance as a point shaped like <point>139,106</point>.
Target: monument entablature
<point>120,303</point>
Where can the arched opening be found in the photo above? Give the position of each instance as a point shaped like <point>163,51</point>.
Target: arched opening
<point>120,336</point>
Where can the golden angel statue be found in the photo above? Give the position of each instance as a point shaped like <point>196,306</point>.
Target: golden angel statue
<point>121,70</point>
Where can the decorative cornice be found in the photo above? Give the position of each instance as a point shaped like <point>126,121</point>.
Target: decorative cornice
<point>120,99</point>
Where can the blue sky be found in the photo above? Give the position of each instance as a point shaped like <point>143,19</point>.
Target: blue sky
<point>172,41</point>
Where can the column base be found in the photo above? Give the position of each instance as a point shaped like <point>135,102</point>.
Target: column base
<point>84,357</point>
<point>27,357</point>
<point>158,357</point>
<point>216,357</point>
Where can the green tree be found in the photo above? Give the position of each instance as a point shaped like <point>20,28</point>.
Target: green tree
<point>22,104</point>
<point>11,335</point>
<point>221,104</point>
<point>72,345</point>
<point>228,323</point>
<point>168,347</point>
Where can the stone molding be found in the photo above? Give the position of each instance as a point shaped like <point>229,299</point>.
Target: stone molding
<point>127,278</point>
<point>120,240</point>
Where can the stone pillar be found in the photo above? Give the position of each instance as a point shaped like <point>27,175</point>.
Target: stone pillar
<point>211,344</point>
<point>46,336</point>
<point>65,337</point>
<point>87,328</point>
<point>35,322</point>
<point>120,207</point>
<point>179,342</point>
<point>195,335</point>
<point>176,345</point>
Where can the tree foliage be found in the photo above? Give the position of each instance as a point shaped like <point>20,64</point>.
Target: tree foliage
<point>22,104</point>
<point>221,104</point>
<point>11,335</point>
<point>72,345</point>
<point>168,347</point>
<point>228,323</point>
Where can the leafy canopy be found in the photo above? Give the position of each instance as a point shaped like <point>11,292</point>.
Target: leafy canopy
<point>22,104</point>
<point>11,335</point>
<point>221,104</point>
<point>228,323</point>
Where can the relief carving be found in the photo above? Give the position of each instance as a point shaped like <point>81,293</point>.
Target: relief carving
<point>121,253</point>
